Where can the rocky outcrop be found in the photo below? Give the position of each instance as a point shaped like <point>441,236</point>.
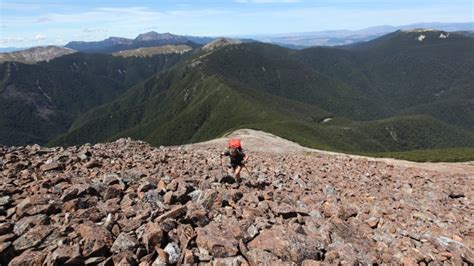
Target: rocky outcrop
<point>128,203</point>
<point>220,42</point>
<point>36,54</point>
<point>151,51</point>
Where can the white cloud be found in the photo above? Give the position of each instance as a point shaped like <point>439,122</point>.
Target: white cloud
<point>40,37</point>
<point>92,24</point>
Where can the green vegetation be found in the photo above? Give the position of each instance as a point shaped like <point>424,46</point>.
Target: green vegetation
<point>393,96</point>
<point>40,101</point>
<point>190,104</point>
<point>433,155</point>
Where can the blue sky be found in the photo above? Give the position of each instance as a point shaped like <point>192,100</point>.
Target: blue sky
<point>38,22</point>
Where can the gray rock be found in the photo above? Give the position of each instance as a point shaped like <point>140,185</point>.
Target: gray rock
<point>329,190</point>
<point>32,238</point>
<point>94,260</point>
<point>5,200</point>
<point>194,195</point>
<point>110,179</point>
<point>124,242</point>
<point>173,251</point>
<point>252,231</point>
<point>28,222</point>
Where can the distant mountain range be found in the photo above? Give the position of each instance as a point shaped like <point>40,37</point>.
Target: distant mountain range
<point>407,90</point>
<point>151,51</point>
<point>289,40</point>
<point>149,39</point>
<point>404,91</point>
<point>344,37</point>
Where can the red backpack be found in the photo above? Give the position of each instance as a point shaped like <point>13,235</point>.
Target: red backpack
<point>234,144</point>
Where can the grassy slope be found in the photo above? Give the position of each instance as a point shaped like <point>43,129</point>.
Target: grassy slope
<point>65,87</point>
<point>278,71</point>
<point>169,109</point>
<point>273,89</point>
<point>407,76</point>
<point>183,106</point>
<point>432,155</point>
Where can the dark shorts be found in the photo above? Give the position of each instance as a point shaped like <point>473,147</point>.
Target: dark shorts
<point>234,164</point>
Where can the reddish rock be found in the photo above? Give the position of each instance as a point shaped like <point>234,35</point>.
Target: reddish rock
<point>283,209</point>
<point>92,164</point>
<point>32,238</point>
<point>7,237</point>
<point>312,263</point>
<point>29,257</point>
<point>173,213</point>
<point>162,258</point>
<point>298,208</point>
<point>168,197</point>
<point>152,236</point>
<point>38,204</point>
<point>232,261</point>
<point>216,241</point>
<point>52,166</point>
<point>288,245</point>
<point>372,222</point>
<point>65,254</point>
<point>161,185</point>
<point>111,192</point>
<point>261,257</point>
<point>198,216</point>
<point>124,258</point>
<point>97,239</point>
<point>129,225</point>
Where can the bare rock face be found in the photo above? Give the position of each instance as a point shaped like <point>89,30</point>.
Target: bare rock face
<point>218,43</point>
<point>36,54</point>
<point>128,203</point>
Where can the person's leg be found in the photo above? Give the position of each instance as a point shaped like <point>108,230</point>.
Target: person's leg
<point>237,173</point>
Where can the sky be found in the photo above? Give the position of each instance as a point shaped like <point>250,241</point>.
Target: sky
<point>26,23</point>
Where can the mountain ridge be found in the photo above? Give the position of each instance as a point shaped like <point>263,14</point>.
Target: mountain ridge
<point>36,54</point>
<point>182,105</point>
<point>346,37</point>
<point>386,95</point>
<point>148,39</point>
<point>41,100</point>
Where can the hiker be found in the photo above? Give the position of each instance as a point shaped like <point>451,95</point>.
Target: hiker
<point>237,157</point>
